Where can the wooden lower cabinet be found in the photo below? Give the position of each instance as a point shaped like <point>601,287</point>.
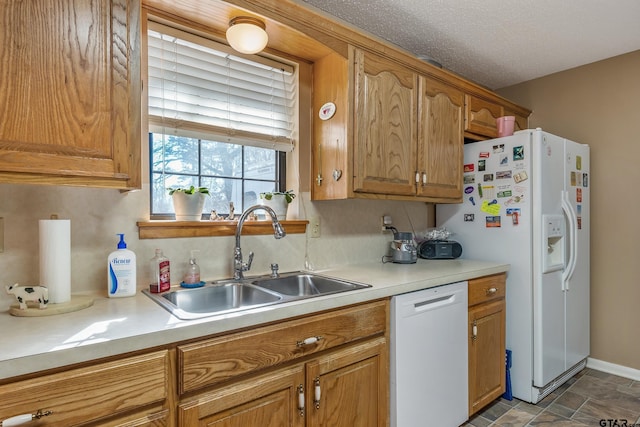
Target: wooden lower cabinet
<point>327,369</point>
<point>267,400</point>
<point>353,385</point>
<point>132,391</point>
<point>343,388</point>
<point>487,322</point>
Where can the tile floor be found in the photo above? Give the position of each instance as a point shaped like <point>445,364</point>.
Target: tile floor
<point>590,398</point>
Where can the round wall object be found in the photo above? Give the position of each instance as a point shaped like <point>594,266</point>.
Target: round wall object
<point>327,111</point>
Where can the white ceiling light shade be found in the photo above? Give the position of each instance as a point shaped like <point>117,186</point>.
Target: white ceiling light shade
<point>247,35</point>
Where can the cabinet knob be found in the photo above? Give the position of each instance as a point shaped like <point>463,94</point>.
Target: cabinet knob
<point>301,400</point>
<point>24,418</point>
<point>317,392</point>
<point>308,341</point>
<point>492,291</point>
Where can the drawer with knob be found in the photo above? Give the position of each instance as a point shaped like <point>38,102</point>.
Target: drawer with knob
<point>80,395</point>
<point>488,288</point>
<point>213,361</point>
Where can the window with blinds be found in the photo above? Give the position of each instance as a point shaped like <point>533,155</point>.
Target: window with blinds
<point>216,119</point>
<point>197,88</point>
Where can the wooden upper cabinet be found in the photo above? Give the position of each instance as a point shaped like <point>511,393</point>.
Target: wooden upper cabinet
<point>399,128</point>
<point>481,115</point>
<point>70,93</point>
<point>385,130</point>
<point>395,133</point>
<point>330,148</point>
<point>440,140</point>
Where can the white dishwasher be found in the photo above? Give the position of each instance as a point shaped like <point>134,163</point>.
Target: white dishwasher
<point>429,357</point>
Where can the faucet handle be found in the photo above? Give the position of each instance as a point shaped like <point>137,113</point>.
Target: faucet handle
<point>274,270</point>
<point>249,261</point>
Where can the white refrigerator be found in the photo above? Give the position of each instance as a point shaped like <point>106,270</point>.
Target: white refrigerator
<point>526,203</point>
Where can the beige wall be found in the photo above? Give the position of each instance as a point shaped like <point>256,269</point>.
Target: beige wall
<point>599,104</point>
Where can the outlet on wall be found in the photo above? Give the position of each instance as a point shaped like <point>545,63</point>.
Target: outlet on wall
<point>386,221</point>
<point>314,225</point>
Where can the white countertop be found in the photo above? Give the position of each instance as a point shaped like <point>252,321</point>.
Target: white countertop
<point>113,326</point>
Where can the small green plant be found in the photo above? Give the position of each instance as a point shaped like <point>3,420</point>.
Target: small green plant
<point>289,195</point>
<point>190,190</point>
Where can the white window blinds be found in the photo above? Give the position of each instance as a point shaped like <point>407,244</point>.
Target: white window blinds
<point>198,89</point>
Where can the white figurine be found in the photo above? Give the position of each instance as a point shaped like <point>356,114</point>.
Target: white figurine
<point>39,294</point>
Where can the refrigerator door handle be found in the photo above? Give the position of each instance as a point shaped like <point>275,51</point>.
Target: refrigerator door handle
<point>572,239</point>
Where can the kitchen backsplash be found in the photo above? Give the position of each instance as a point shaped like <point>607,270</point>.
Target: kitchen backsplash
<point>350,232</point>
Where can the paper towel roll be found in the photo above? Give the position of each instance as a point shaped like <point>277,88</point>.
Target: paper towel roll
<point>55,258</point>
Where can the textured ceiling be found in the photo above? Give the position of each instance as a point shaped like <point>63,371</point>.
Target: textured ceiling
<point>498,43</point>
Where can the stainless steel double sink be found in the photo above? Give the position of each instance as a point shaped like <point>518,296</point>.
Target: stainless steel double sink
<point>229,296</point>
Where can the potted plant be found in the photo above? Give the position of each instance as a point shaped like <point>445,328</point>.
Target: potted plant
<point>188,202</point>
<point>278,201</point>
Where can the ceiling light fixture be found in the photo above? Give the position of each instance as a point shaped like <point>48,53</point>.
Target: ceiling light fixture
<point>247,35</point>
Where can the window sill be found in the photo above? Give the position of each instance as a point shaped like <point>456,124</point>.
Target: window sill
<point>169,229</point>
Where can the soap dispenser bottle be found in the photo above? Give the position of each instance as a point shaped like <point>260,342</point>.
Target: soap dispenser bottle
<point>192,276</point>
<point>121,276</point>
<point>160,273</point>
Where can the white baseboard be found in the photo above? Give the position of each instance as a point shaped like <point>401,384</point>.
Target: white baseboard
<point>612,368</point>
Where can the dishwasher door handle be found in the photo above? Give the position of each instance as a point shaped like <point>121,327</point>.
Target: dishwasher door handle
<point>429,300</point>
<point>433,302</point>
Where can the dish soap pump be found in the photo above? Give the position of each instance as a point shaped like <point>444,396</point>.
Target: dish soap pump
<point>192,276</point>
<point>121,276</point>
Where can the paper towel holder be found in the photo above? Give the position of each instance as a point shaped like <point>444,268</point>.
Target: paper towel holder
<point>69,304</point>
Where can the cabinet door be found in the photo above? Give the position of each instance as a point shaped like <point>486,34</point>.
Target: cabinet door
<point>352,385</point>
<point>440,140</point>
<point>385,129</point>
<point>267,401</point>
<point>480,116</point>
<point>486,354</point>
<point>70,93</point>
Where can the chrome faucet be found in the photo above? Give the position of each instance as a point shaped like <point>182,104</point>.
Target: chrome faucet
<point>278,232</point>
